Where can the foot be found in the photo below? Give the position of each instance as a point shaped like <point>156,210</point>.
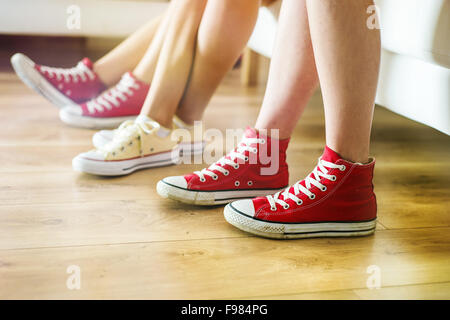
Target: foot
<point>62,87</point>
<point>139,145</point>
<point>118,104</point>
<point>193,146</point>
<point>335,200</point>
<point>235,176</point>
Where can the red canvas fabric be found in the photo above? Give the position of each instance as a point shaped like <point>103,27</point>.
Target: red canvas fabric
<point>249,172</point>
<point>131,106</point>
<point>349,198</point>
<point>73,87</point>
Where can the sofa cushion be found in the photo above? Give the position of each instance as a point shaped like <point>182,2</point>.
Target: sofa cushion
<point>416,28</point>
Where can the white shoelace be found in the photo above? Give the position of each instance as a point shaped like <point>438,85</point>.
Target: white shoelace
<point>127,132</point>
<point>319,171</point>
<point>244,145</point>
<point>81,71</point>
<point>110,98</point>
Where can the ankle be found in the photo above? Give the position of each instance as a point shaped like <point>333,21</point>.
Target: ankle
<point>354,155</point>
<point>274,132</point>
<point>104,75</point>
<point>163,121</point>
<point>184,121</point>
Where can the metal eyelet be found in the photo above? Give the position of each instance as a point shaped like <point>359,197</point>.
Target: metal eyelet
<point>273,208</point>
<point>342,168</point>
<point>323,189</point>
<point>246,158</point>
<point>215,177</point>
<point>237,183</point>
<point>312,197</point>
<point>202,179</point>
<point>255,150</point>
<point>250,183</point>
<point>333,178</point>
<point>299,203</point>
<point>236,166</point>
<point>286,207</point>
<point>262,141</point>
<point>226,173</point>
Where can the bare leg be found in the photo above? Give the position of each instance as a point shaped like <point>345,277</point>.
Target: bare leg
<point>347,57</point>
<point>127,54</point>
<point>223,33</point>
<point>175,61</point>
<point>145,69</point>
<point>292,76</point>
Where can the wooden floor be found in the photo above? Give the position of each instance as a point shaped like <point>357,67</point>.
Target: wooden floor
<point>130,243</point>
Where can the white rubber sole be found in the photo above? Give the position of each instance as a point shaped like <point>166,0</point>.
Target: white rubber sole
<point>124,167</point>
<point>24,68</point>
<point>192,148</point>
<point>80,121</point>
<point>275,230</point>
<point>208,198</point>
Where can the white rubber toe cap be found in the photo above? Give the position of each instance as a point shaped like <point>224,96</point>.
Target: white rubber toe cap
<point>73,110</point>
<point>245,206</point>
<point>91,155</point>
<point>21,59</point>
<point>177,181</point>
<point>99,139</point>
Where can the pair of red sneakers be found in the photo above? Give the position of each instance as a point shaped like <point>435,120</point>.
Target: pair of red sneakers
<point>83,98</point>
<point>336,199</point>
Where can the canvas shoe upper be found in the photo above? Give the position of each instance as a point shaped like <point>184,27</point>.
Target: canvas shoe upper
<point>243,173</point>
<point>115,105</point>
<point>336,199</point>
<point>62,86</point>
<point>142,144</point>
<point>191,142</point>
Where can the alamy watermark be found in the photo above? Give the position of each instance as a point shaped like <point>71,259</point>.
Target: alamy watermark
<point>73,21</point>
<point>373,21</point>
<point>374,279</point>
<point>259,149</point>
<point>73,281</point>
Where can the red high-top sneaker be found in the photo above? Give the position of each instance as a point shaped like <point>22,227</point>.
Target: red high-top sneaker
<point>61,86</point>
<point>335,200</point>
<point>114,106</point>
<point>240,174</point>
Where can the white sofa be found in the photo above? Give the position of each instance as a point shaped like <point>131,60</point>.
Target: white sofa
<point>103,18</point>
<point>415,74</point>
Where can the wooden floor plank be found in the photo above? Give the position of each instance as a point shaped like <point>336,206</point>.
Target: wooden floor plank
<point>109,222</point>
<point>228,268</point>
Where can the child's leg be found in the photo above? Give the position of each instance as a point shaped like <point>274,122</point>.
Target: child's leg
<point>347,57</point>
<point>108,109</point>
<point>175,61</point>
<point>145,68</point>
<point>225,29</point>
<point>292,76</point>
<point>126,56</point>
<point>337,198</point>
